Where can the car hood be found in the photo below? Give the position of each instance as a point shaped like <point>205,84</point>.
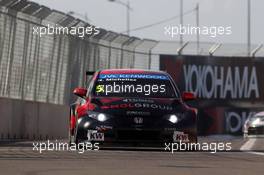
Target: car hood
<point>138,106</point>
<point>256,122</point>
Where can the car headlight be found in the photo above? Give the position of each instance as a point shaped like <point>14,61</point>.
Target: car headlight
<point>86,124</point>
<point>173,118</point>
<point>98,116</point>
<point>101,117</point>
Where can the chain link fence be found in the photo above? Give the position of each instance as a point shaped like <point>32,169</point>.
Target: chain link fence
<point>46,69</point>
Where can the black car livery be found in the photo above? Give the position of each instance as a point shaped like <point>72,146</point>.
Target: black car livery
<point>132,106</point>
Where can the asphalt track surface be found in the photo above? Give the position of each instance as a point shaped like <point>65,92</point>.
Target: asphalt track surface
<point>246,157</point>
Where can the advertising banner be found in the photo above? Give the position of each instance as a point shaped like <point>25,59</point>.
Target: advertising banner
<point>229,89</point>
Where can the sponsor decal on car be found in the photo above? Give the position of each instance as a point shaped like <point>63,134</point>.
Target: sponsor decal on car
<point>131,76</point>
<point>135,100</point>
<point>180,136</point>
<point>137,105</point>
<point>94,135</point>
<point>141,113</point>
<point>118,79</point>
<point>99,89</point>
<point>103,128</point>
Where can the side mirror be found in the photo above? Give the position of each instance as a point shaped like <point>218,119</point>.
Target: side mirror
<point>81,92</point>
<point>187,96</point>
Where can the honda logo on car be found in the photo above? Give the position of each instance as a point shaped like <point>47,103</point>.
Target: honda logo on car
<point>138,120</point>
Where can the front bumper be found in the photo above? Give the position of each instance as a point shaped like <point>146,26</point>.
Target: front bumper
<point>257,130</point>
<point>107,132</point>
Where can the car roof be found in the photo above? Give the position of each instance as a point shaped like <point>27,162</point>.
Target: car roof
<point>131,71</point>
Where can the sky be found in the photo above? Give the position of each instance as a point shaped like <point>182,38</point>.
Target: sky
<point>112,16</point>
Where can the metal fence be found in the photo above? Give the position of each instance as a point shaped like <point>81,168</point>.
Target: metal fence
<point>47,68</point>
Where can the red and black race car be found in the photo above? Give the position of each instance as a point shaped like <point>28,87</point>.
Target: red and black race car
<point>132,106</point>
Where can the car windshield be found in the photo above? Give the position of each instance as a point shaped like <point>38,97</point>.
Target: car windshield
<point>134,85</point>
<point>257,116</point>
<point>260,116</point>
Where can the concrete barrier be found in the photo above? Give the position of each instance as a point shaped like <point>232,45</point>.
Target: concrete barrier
<point>32,120</point>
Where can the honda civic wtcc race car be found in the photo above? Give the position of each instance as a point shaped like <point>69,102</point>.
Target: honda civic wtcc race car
<point>132,106</point>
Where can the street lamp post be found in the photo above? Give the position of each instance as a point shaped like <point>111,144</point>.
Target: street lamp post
<point>128,8</point>
<point>249,28</point>
<point>198,25</point>
<point>181,20</point>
